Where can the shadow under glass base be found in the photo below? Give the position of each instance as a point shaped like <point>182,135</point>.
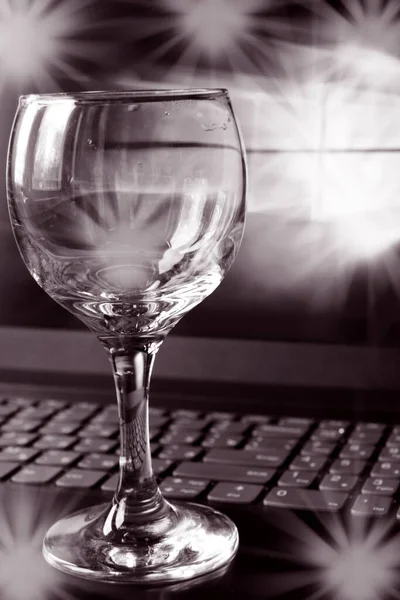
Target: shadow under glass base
<point>199,541</point>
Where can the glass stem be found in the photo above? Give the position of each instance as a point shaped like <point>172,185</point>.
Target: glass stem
<point>137,502</point>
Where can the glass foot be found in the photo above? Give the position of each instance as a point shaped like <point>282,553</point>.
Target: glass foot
<point>198,540</point>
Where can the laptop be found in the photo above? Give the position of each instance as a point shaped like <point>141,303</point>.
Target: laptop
<point>275,400</point>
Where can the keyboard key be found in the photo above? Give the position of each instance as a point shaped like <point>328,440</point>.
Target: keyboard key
<point>391,453</point>
<point>161,465</point>
<point>335,482</point>
<point>35,474</point>
<point>100,462</point>
<point>255,419</point>
<point>235,493</point>
<point>393,439</point>
<point>380,486</point>
<point>296,478</point>
<point>59,428</point>
<point>180,437</point>
<point>182,489</point>
<point>246,457</point>
<point>95,444</point>
<point>7,410</point>
<point>281,431</point>
<point>363,451</point>
<point>6,468</point>
<point>187,424</point>
<point>176,452</point>
<point>110,485</point>
<point>53,402</point>
<point>294,421</point>
<point>222,440</point>
<point>22,425</point>
<point>222,472</point>
<point>37,412</point>
<point>80,478</point>
<point>186,413</point>
<point>318,448</point>
<point>307,463</point>
<point>262,442</point>
<point>367,426</point>
<point>17,453</point>
<point>58,458</point>
<point>365,437</point>
<point>15,438</point>
<point>56,442</point>
<point>348,465</point>
<point>370,506</point>
<point>333,423</point>
<point>105,430</point>
<point>386,469</point>
<point>304,499</point>
<point>230,427</point>
<point>333,434</point>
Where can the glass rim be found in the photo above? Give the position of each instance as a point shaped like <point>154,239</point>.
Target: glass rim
<point>143,95</point>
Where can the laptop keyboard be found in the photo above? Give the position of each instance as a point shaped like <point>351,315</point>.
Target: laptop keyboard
<point>216,457</point>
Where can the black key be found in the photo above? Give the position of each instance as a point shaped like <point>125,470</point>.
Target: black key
<point>20,402</point>
<point>223,440</point>
<point>105,417</point>
<point>307,463</point>
<point>58,458</point>
<point>333,423</point>
<point>370,506</point>
<point>17,453</point>
<point>187,424</point>
<point>80,478</point>
<point>176,452</point>
<point>160,465</point>
<point>380,486</point>
<point>37,412</point>
<point>219,415</point>
<point>393,439</point>
<point>386,469</point>
<point>362,451</point>
<point>6,468</point>
<point>235,493</point>
<point>391,453</point>
<point>230,427</point>
<point>7,410</point>
<point>255,419</point>
<point>100,462</point>
<point>186,413</point>
<point>105,430</point>
<point>365,437</point>
<point>95,444</point>
<point>110,485</point>
<point>181,489</point>
<point>246,457</point>
<point>53,403</point>
<point>367,426</point>
<point>158,421</point>
<point>296,478</point>
<point>22,425</point>
<point>222,472</point>
<point>56,442</point>
<point>14,438</point>
<point>328,435</point>
<point>335,482</point>
<point>304,499</point>
<point>281,431</point>
<point>60,428</point>
<point>348,465</point>
<point>72,415</point>
<point>35,474</point>
<point>262,442</point>
<point>318,448</point>
<point>180,437</point>
<point>294,421</point>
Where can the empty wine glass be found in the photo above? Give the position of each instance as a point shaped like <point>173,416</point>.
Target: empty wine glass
<point>128,209</point>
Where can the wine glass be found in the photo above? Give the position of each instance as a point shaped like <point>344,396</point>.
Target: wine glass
<point>128,209</point>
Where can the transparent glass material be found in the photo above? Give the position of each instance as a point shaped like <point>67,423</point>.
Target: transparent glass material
<point>128,209</point>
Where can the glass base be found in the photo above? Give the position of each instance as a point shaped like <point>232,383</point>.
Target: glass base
<point>198,541</point>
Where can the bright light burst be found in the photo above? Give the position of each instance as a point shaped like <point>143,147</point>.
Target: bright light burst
<point>38,36</point>
<point>343,559</point>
